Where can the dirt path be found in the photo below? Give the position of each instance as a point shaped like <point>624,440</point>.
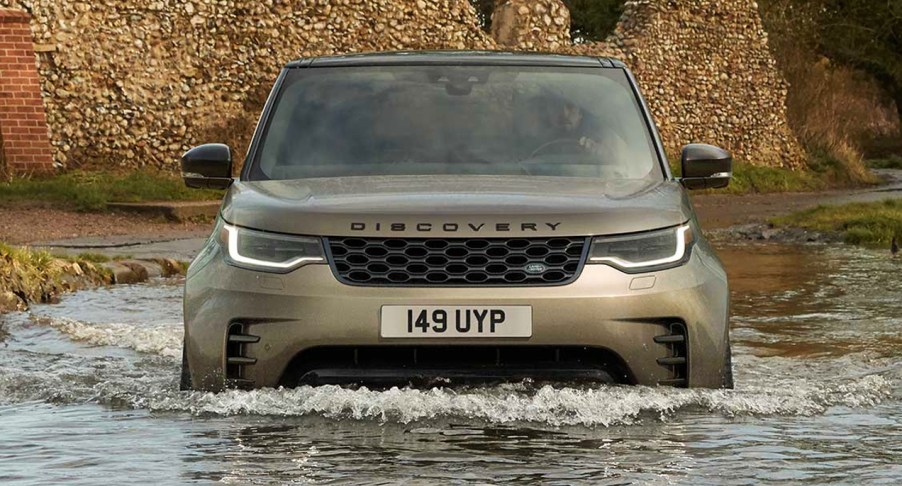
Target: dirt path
<point>21,226</point>
<point>717,211</point>
<point>34,225</point>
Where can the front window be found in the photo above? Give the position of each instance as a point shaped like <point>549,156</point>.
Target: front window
<point>456,120</point>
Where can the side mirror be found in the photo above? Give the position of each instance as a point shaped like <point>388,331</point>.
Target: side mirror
<point>208,167</point>
<point>706,167</point>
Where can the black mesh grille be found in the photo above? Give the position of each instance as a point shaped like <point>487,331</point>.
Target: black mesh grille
<point>457,262</point>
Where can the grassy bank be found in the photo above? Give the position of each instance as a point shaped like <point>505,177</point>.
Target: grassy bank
<point>867,224</point>
<point>91,191</point>
<point>753,179</point>
<point>30,276</point>
<point>37,276</point>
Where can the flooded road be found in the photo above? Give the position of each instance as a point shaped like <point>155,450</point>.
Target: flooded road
<point>88,394</point>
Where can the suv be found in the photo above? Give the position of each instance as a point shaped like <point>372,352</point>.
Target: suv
<point>421,218</point>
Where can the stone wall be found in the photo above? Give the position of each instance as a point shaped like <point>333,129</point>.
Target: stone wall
<point>136,82</point>
<point>531,25</point>
<point>709,76</point>
<point>703,65</point>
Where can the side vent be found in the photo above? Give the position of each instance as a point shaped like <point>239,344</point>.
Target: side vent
<point>236,356</point>
<point>678,359</point>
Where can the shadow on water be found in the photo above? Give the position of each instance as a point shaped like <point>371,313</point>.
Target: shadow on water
<point>88,395</point>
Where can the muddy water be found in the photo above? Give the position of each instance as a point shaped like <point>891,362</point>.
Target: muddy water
<point>88,395</point>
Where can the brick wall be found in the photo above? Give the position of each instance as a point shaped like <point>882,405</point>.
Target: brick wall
<point>24,135</point>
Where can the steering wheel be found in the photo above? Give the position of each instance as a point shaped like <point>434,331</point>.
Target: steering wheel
<point>553,143</point>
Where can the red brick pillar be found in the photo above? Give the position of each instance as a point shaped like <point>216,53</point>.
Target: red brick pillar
<point>24,136</point>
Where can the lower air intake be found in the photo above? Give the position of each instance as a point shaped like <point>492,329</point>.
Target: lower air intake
<point>401,365</point>
<point>678,360</point>
<point>236,357</point>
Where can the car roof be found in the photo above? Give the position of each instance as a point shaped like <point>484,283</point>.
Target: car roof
<point>484,58</point>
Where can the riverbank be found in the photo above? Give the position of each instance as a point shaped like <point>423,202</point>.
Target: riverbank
<point>720,211</point>
<point>29,276</point>
<point>874,224</point>
<point>868,217</point>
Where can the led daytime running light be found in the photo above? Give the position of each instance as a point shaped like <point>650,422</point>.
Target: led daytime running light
<point>682,231</point>
<point>238,258</point>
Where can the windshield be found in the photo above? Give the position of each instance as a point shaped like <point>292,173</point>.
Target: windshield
<point>456,120</point>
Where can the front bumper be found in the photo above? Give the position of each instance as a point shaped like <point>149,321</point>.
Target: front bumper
<point>308,308</point>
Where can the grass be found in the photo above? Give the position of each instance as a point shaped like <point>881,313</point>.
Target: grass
<point>92,257</point>
<point>91,191</point>
<point>866,224</point>
<point>754,179</point>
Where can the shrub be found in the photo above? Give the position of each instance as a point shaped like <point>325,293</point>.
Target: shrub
<point>835,108</point>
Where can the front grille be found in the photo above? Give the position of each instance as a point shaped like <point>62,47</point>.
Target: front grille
<point>416,262</point>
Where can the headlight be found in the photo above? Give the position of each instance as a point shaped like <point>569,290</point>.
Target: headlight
<point>644,252</point>
<point>269,252</point>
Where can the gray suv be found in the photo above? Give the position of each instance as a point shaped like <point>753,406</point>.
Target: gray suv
<point>442,217</point>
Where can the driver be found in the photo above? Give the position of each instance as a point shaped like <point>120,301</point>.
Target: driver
<point>563,120</point>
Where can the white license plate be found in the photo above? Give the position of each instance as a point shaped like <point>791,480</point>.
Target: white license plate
<point>456,321</point>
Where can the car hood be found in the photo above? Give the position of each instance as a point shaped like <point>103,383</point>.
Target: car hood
<point>462,206</point>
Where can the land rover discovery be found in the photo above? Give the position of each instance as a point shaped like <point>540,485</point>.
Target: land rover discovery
<point>441,217</point>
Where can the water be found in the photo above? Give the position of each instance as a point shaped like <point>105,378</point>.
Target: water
<point>88,395</point>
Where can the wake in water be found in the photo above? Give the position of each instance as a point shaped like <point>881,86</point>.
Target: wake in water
<point>146,380</point>
<point>162,339</point>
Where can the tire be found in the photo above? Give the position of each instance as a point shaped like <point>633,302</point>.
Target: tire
<point>185,382</point>
<point>728,368</point>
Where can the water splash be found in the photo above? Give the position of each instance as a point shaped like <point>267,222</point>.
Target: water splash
<point>162,338</point>
<point>766,386</point>
<point>557,406</point>
<point>150,384</point>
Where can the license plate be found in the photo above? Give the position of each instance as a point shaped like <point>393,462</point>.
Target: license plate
<point>456,321</point>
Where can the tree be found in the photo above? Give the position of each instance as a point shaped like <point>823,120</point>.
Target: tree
<point>484,9</point>
<point>593,20</point>
<point>866,34</point>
